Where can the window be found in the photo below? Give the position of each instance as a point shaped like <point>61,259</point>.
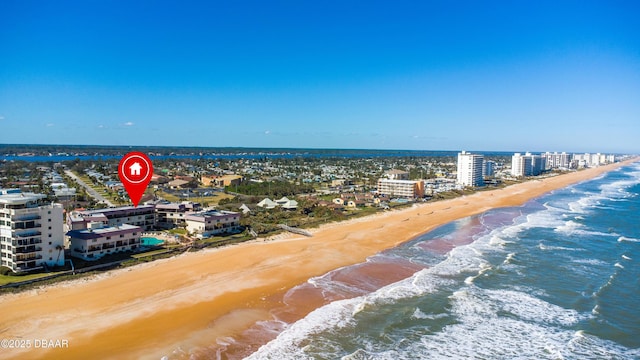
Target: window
<point>49,220</point>
<point>49,235</point>
<point>49,227</point>
<point>50,258</point>
<point>49,242</point>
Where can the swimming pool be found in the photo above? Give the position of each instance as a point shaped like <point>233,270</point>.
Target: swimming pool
<point>150,241</point>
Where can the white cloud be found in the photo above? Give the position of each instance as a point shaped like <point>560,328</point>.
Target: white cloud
<point>267,132</point>
<point>1,117</point>
<point>50,124</point>
<point>128,123</point>
<point>101,126</point>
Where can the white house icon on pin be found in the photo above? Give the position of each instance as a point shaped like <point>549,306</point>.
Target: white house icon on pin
<point>135,169</point>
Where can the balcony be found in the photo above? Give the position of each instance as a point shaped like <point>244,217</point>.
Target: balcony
<point>29,224</point>
<point>23,259</point>
<point>26,217</point>
<point>32,241</point>
<point>27,234</point>
<point>27,249</point>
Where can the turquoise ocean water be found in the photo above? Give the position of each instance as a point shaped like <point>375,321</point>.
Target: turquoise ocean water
<point>558,278</point>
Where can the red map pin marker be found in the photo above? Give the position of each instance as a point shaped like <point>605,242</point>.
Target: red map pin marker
<point>135,171</point>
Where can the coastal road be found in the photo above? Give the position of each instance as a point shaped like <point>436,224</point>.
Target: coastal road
<point>94,194</point>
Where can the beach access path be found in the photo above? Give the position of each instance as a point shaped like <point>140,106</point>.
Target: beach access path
<point>191,300</point>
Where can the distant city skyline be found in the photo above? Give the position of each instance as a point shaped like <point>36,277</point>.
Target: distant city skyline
<point>545,76</point>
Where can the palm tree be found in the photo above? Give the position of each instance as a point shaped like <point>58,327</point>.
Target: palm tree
<point>59,248</point>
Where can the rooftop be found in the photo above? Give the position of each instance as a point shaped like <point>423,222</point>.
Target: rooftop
<point>17,197</point>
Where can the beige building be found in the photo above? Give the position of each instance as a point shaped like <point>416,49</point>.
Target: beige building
<point>396,174</point>
<point>408,189</point>
<point>220,180</point>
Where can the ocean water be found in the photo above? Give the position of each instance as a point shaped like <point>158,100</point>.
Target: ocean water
<point>558,278</point>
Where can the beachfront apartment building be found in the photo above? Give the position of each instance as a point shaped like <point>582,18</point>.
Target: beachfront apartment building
<point>527,164</point>
<point>408,189</point>
<point>142,215</point>
<point>212,222</point>
<point>470,169</point>
<point>592,160</point>
<point>31,233</point>
<point>171,215</point>
<point>98,240</point>
<point>557,160</point>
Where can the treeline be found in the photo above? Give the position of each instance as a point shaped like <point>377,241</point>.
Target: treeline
<point>273,189</point>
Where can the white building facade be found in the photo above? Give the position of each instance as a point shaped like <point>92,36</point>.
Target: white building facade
<point>31,233</point>
<point>97,240</point>
<point>470,169</point>
<point>213,222</point>
<point>557,160</point>
<point>527,164</point>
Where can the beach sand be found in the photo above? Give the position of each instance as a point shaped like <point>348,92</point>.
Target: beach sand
<point>189,301</point>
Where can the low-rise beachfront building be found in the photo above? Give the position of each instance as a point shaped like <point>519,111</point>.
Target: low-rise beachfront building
<point>408,189</point>
<point>97,240</point>
<point>31,234</point>
<point>142,215</point>
<point>171,215</point>
<point>213,222</point>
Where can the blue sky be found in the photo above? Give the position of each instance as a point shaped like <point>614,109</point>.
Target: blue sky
<point>512,75</point>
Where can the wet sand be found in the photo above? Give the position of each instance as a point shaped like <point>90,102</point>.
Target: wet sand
<point>173,306</point>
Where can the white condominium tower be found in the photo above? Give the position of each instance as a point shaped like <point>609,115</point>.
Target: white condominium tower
<point>527,164</point>
<point>470,169</point>
<point>31,234</point>
<point>557,160</point>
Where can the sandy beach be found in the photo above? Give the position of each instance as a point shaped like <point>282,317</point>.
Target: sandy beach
<point>191,300</point>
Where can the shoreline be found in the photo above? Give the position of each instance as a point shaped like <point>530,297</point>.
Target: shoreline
<point>190,300</point>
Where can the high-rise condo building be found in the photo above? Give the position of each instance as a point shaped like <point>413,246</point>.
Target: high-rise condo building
<point>31,233</point>
<point>557,161</point>
<point>527,164</point>
<point>470,169</point>
<point>488,168</point>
